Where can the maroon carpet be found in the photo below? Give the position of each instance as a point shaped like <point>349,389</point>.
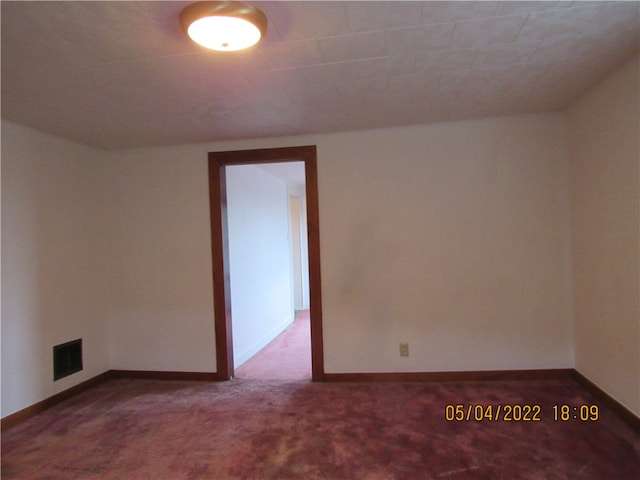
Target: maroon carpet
<point>250,429</point>
<point>287,357</point>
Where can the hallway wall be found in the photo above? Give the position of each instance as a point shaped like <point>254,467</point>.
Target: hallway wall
<point>259,258</point>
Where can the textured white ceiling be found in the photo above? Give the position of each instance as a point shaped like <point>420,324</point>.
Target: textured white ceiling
<point>122,74</point>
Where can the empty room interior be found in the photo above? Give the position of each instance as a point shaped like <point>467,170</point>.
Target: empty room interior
<point>463,179</point>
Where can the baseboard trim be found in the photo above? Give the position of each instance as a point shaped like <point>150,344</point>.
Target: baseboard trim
<point>161,375</point>
<point>26,413</point>
<point>623,412</point>
<point>462,376</point>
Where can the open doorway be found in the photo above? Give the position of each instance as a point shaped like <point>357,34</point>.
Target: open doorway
<point>218,163</point>
<point>268,271</point>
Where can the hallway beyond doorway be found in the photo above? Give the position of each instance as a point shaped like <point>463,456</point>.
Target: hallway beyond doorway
<point>287,357</point>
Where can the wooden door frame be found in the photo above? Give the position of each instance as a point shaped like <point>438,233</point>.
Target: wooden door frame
<point>220,248</point>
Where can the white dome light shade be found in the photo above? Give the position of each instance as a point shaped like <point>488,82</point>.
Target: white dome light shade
<point>223,26</point>
<point>224,33</point>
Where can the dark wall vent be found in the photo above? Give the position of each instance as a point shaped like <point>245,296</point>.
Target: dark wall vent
<point>67,358</point>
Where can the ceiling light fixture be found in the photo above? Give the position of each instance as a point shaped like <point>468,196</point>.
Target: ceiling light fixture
<point>223,26</point>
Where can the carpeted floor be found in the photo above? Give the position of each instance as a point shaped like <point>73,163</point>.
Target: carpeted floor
<point>287,357</point>
<point>251,429</point>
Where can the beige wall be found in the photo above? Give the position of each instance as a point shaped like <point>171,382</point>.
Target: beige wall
<point>161,293</point>
<point>603,132</point>
<point>54,280</point>
<point>453,237</point>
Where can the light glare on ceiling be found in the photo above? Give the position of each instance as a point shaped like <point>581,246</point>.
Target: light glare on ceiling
<point>223,26</point>
<point>224,33</point>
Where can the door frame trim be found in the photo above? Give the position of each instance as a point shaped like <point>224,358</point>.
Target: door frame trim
<point>217,162</point>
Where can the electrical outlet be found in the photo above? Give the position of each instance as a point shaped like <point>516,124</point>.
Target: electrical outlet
<point>404,349</point>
